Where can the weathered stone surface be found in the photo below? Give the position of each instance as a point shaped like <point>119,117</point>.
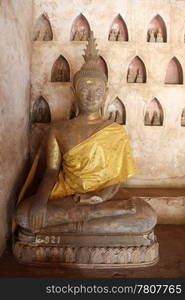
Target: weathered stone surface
<point>15,52</point>
<point>82,256</point>
<point>170,210</point>
<point>169,204</point>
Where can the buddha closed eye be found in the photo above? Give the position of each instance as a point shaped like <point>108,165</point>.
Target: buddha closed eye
<point>91,92</point>
<point>90,89</point>
<point>99,91</point>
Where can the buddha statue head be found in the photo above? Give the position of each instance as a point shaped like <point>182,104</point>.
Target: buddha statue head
<point>90,82</point>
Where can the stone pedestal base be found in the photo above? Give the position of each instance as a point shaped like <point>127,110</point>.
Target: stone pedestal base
<point>87,251</point>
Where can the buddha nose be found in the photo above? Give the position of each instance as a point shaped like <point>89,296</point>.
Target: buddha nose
<point>90,95</point>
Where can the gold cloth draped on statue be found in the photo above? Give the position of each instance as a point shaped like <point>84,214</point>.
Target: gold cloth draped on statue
<point>101,160</point>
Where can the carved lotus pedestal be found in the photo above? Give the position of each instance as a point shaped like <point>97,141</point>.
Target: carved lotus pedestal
<point>109,242</point>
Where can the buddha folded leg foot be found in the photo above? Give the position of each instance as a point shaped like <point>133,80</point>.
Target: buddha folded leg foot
<point>66,210</point>
<point>97,196</point>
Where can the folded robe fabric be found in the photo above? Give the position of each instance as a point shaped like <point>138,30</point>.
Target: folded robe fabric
<point>103,159</point>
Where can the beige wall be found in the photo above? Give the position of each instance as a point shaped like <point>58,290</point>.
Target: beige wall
<point>15,57</point>
<point>159,151</point>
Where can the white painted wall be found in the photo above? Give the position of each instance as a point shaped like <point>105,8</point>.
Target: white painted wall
<point>15,59</point>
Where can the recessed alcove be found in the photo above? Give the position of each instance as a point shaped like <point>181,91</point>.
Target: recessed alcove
<point>157,32</point>
<point>174,73</point>
<point>183,118</point>
<point>136,71</point>
<point>118,30</point>
<point>41,111</point>
<point>80,29</point>
<point>117,112</point>
<point>43,30</point>
<point>154,114</point>
<point>60,71</point>
<point>102,63</point>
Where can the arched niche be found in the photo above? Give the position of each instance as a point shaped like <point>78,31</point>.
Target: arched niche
<point>183,118</point>
<point>118,30</point>
<point>117,112</point>
<point>60,71</point>
<point>154,114</point>
<point>102,63</point>
<point>136,71</point>
<point>80,29</point>
<point>157,32</point>
<point>43,30</point>
<point>174,73</point>
<point>41,111</point>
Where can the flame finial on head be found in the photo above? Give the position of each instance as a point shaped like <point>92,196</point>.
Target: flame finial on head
<point>91,68</point>
<point>91,52</point>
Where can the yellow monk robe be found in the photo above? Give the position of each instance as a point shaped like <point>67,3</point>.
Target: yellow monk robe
<point>103,159</point>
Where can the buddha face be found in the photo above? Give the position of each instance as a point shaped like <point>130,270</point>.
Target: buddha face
<point>91,94</point>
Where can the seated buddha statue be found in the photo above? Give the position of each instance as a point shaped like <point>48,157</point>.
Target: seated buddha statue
<point>87,160</point>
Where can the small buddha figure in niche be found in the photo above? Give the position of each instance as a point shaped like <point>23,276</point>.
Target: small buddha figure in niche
<point>85,35</point>
<point>152,36</point>
<point>153,120</point>
<point>117,111</point>
<point>41,111</point>
<point>88,158</point>
<point>159,38</point>
<point>77,36</point>
<point>113,35</point>
<point>135,75</point>
<point>116,34</point>
<point>43,31</point>
<point>120,36</point>
<point>132,74</point>
<point>139,76</point>
<point>60,75</point>
<point>60,72</point>
<point>156,119</point>
<point>147,119</point>
<point>81,34</point>
<point>43,35</point>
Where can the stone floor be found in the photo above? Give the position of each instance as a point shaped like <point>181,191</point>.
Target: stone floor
<point>172,261</point>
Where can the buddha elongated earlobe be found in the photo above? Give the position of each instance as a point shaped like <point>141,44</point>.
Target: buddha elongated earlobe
<point>106,91</point>
<point>73,90</point>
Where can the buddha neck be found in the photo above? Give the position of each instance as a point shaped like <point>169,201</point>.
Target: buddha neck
<point>91,118</point>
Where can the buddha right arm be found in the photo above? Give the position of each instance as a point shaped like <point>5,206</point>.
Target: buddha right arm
<point>37,215</point>
<point>53,163</point>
